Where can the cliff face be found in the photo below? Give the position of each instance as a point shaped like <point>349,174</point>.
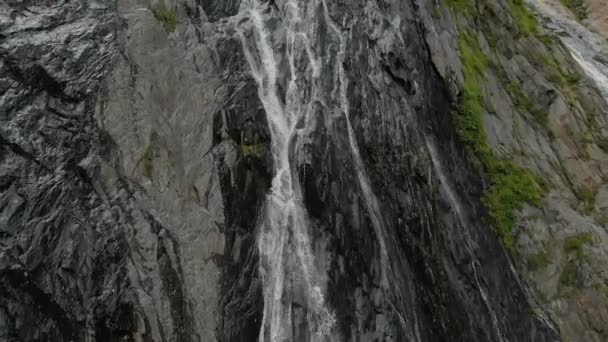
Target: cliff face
<point>541,95</point>
<point>205,170</point>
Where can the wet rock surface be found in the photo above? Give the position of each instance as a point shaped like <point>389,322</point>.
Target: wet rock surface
<point>136,159</point>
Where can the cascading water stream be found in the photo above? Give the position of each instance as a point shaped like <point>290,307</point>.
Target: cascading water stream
<point>370,199</point>
<point>462,222</point>
<point>287,263</point>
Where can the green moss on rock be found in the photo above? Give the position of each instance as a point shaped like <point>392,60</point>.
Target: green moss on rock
<point>466,7</point>
<point>511,186</point>
<point>538,261</point>
<point>575,243</point>
<point>523,102</point>
<point>572,78</point>
<point>577,7</point>
<point>167,17</point>
<point>469,114</point>
<point>569,276</point>
<point>521,14</point>
<point>571,273</point>
<point>253,149</point>
<point>587,196</point>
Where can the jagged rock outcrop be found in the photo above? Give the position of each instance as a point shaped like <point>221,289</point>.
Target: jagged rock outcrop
<point>138,158</point>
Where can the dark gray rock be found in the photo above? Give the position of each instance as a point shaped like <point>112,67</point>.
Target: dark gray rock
<point>135,164</point>
<point>63,256</point>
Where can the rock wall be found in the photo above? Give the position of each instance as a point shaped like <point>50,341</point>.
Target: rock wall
<point>135,162</point>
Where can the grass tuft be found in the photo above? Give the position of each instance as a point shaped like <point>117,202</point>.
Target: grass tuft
<point>525,19</point>
<point>167,17</point>
<point>512,187</point>
<point>569,275</point>
<point>575,243</point>
<point>522,101</point>
<point>466,7</point>
<point>469,116</point>
<point>587,197</point>
<point>572,78</point>
<point>538,261</point>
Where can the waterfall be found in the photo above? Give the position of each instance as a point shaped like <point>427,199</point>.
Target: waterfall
<point>289,271</point>
<point>287,264</point>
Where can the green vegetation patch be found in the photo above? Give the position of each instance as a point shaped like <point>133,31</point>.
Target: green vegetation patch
<point>603,144</point>
<point>602,220</point>
<point>522,101</point>
<point>252,150</point>
<point>538,261</point>
<point>466,7</point>
<point>167,17</point>
<point>575,243</point>
<point>569,275</point>
<point>572,78</point>
<point>587,197</point>
<point>547,40</point>
<point>436,12</point>
<point>556,75</point>
<point>525,19</point>
<point>469,116</point>
<point>511,186</point>
<point>577,7</point>
<point>563,79</point>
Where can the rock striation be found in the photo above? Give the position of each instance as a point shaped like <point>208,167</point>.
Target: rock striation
<point>282,170</point>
